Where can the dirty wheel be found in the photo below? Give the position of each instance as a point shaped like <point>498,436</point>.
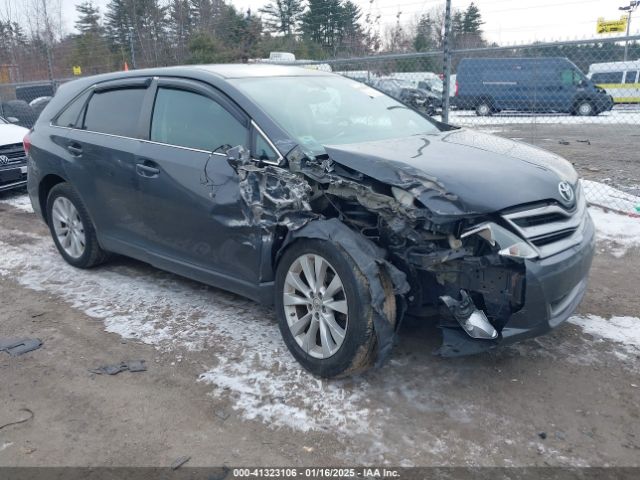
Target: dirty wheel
<point>324,309</point>
<point>484,108</point>
<point>71,228</point>
<point>584,108</point>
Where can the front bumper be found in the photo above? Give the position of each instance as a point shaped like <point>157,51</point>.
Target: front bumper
<point>554,288</point>
<point>13,177</point>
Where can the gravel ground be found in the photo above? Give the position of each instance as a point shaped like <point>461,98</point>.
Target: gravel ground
<point>221,387</point>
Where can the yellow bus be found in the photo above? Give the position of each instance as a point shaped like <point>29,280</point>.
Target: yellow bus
<point>619,79</point>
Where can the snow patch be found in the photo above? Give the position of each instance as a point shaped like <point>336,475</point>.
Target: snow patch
<point>253,367</point>
<point>622,330</point>
<point>619,232</point>
<point>17,200</point>
<point>603,195</point>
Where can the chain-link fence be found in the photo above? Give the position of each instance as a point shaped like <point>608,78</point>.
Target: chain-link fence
<point>579,99</point>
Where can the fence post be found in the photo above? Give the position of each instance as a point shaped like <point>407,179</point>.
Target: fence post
<point>447,62</point>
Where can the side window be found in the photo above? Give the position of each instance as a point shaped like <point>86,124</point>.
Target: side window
<point>631,76</point>
<point>69,116</point>
<point>264,151</point>
<point>607,77</point>
<point>115,111</point>
<point>566,77</point>
<point>191,120</point>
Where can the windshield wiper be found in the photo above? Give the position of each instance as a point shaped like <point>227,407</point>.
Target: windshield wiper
<point>397,106</point>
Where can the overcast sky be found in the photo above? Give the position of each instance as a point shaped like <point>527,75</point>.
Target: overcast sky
<point>506,21</point>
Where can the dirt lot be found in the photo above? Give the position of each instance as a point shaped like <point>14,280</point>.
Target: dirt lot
<point>605,153</point>
<point>221,387</point>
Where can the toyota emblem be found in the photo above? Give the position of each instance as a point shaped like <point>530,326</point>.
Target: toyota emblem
<point>4,160</point>
<point>566,192</point>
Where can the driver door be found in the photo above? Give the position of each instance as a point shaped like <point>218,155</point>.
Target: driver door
<point>188,192</point>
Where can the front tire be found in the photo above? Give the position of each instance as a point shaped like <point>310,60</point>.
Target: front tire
<point>71,228</point>
<point>324,309</point>
<point>585,108</point>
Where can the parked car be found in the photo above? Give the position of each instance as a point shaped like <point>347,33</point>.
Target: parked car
<point>318,194</point>
<point>490,85</point>
<point>404,91</point>
<point>621,80</point>
<point>20,110</point>
<point>38,104</point>
<point>13,161</point>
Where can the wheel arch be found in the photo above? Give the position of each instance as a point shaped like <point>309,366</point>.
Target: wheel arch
<point>372,262</point>
<point>44,187</point>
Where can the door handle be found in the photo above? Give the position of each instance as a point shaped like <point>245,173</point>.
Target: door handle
<point>147,170</point>
<point>74,149</point>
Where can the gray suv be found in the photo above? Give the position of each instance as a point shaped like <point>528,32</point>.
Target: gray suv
<point>321,195</point>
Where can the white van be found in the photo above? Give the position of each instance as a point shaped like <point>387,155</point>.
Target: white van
<point>619,79</point>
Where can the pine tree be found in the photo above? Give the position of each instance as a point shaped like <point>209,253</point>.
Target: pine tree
<point>88,18</point>
<point>180,27</point>
<point>424,34</point>
<point>282,16</point>
<point>351,33</point>
<point>472,22</point>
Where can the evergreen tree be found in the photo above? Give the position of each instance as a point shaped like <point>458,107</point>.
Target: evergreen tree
<point>181,25</point>
<point>472,22</point>
<point>282,16</point>
<point>88,18</point>
<point>351,33</point>
<point>424,34</point>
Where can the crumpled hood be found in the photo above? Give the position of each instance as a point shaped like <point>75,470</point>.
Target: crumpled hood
<point>462,171</point>
<point>10,134</point>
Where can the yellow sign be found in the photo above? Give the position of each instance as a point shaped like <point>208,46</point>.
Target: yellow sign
<point>77,70</point>
<point>612,26</point>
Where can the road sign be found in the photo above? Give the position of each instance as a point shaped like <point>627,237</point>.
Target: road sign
<point>612,26</point>
<point>77,70</point>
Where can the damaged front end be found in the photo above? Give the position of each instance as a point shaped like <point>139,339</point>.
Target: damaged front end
<point>470,269</point>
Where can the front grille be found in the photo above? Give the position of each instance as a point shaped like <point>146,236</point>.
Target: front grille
<point>15,154</point>
<point>550,228</point>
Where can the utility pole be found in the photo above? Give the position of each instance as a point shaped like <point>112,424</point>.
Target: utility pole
<point>131,49</point>
<point>447,62</point>
<point>633,4</point>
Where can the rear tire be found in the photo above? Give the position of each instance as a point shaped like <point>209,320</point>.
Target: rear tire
<point>484,109</point>
<point>296,315</point>
<point>72,229</point>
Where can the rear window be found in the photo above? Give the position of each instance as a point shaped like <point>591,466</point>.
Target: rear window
<point>607,77</point>
<point>69,116</point>
<point>115,111</point>
<point>631,77</point>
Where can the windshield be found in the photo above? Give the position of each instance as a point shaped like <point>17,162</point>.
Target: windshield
<point>332,110</point>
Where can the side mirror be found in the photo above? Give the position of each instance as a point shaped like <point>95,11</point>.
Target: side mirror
<point>13,120</point>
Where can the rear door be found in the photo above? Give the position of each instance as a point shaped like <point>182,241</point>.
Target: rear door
<point>103,152</point>
<point>189,192</point>
<point>631,87</point>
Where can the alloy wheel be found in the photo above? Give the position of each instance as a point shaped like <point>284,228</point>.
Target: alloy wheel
<point>68,227</point>
<point>315,305</point>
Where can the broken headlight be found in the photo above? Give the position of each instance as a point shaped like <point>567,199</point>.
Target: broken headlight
<point>519,250</point>
<point>509,244</point>
<point>406,199</point>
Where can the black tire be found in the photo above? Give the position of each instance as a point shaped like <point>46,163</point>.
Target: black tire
<point>21,110</point>
<point>585,108</point>
<point>93,254</point>
<point>359,348</point>
<point>484,108</point>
